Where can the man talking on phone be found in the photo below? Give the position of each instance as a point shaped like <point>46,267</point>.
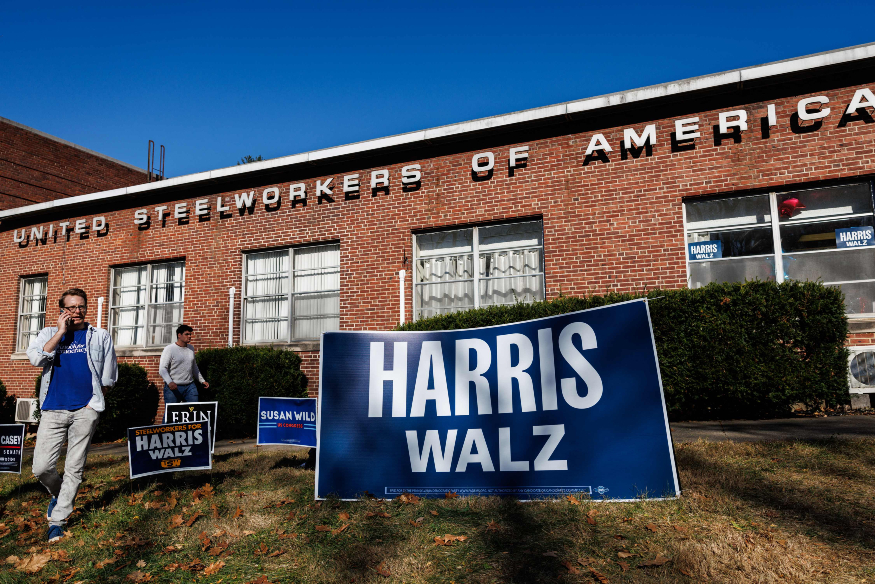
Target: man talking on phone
<point>178,369</point>
<point>79,363</point>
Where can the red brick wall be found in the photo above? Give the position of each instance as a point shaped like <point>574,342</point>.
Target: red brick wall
<point>615,226</point>
<point>36,168</point>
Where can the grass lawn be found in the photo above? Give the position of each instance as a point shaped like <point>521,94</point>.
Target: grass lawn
<point>753,512</point>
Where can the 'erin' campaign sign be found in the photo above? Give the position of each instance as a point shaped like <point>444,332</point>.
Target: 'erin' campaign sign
<point>566,404</point>
<point>11,447</point>
<point>169,448</point>
<point>855,237</point>
<point>287,420</point>
<point>705,250</point>
<point>184,412</point>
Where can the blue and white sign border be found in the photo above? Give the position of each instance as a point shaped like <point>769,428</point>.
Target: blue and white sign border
<point>674,470</point>
<point>272,423</point>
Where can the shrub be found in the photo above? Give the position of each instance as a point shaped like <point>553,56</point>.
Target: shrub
<point>7,406</point>
<point>131,402</point>
<point>239,375</point>
<point>725,351</point>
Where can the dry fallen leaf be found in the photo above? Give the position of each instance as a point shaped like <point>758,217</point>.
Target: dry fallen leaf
<point>276,553</point>
<point>383,570</point>
<point>590,520</point>
<point>571,569</point>
<point>172,567</point>
<point>625,566</point>
<point>193,518</point>
<point>492,526</point>
<point>213,568</point>
<point>449,495</point>
<point>215,511</point>
<point>13,560</point>
<point>449,539</point>
<point>340,529</point>
<point>138,576</point>
<point>343,516</point>
<point>685,573</point>
<point>141,564</point>
<point>175,521</point>
<point>651,527</point>
<point>572,499</point>
<point>33,564</point>
<point>323,528</point>
<point>658,561</point>
<point>599,576</point>
<point>433,512</point>
<point>237,514</point>
<point>103,563</point>
<point>407,498</point>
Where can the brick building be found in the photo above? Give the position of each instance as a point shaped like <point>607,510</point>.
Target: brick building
<point>759,172</point>
<point>36,167</point>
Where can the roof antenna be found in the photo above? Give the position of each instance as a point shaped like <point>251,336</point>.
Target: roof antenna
<point>155,174</point>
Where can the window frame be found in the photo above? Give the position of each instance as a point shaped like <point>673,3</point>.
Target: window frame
<point>146,303</point>
<point>290,295</point>
<point>475,261</point>
<point>775,226</point>
<point>21,286</point>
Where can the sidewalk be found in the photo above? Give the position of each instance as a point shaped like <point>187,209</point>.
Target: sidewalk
<point>860,426</point>
<point>737,430</point>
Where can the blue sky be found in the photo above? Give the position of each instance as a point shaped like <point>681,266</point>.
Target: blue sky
<point>216,81</point>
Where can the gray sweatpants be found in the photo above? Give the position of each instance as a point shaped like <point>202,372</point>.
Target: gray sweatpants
<point>56,427</point>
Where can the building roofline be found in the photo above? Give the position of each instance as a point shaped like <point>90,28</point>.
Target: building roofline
<point>735,77</point>
<point>70,144</point>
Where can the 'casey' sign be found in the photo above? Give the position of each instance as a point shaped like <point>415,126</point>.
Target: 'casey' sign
<point>730,126</point>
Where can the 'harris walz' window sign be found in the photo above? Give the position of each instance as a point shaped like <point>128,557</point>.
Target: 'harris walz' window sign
<point>809,116</point>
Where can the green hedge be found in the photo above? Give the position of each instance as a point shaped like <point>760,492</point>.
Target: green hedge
<point>131,402</point>
<point>725,351</point>
<point>239,375</point>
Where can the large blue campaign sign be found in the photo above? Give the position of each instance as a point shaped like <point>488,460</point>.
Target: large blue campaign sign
<point>855,237</point>
<point>705,250</point>
<point>565,404</point>
<point>287,420</point>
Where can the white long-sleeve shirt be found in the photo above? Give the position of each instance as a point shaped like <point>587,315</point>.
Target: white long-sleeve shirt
<point>178,365</point>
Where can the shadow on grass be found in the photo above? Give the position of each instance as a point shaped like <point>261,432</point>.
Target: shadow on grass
<point>827,512</point>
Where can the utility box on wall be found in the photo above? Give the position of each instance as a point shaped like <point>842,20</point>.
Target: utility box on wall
<point>861,375</point>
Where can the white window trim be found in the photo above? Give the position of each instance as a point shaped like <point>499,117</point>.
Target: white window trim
<point>290,296</point>
<point>21,284</point>
<point>146,303</point>
<point>475,256</point>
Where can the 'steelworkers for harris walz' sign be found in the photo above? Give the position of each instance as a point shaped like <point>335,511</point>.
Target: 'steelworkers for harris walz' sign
<point>169,448</point>
<point>11,447</point>
<point>287,420</point>
<point>566,404</point>
<point>185,412</point>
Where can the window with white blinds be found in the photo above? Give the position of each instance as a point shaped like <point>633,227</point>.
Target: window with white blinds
<point>31,309</point>
<point>509,267</point>
<point>291,294</point>
<point>146,304</point>
<point>789,235</point>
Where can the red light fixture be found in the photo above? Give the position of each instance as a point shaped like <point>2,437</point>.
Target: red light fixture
<point>788,207</point>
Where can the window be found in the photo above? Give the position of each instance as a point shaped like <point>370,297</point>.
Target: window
<point>31,309</point>
<point>147,304</point>
<point>509,267</point>
<point>291,294</point>
<point>806,227</point>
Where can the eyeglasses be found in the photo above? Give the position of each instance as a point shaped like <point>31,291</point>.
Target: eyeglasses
<point>81,308</point>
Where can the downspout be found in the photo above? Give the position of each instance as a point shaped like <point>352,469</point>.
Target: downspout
<point>402,307</point>
<point>100,312</point>
<point>231,292</point>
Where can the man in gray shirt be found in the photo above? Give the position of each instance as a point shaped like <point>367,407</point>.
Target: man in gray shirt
<point>178,369</point>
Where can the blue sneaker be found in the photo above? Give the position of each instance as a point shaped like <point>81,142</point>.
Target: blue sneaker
<point>55,533</point>
<point>52,504</point>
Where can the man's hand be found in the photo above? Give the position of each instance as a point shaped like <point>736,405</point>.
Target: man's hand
<point>63,320</point>
<point>172,385</point>
<point>206,385</point>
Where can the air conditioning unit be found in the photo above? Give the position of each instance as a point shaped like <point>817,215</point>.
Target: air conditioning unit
<point>25,410</point>
<point>861,369</point>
